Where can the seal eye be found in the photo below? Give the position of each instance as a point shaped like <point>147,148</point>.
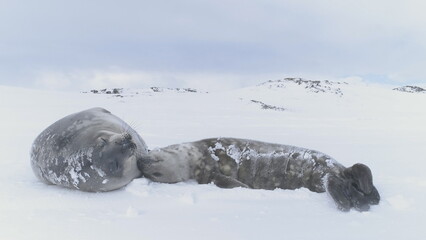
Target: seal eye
<point>102,142</point>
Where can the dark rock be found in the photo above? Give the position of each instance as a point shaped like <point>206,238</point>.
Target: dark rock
<point>156,89</point>
<point>411,89</point>
<point>267,106</point>
<point>117,90</point>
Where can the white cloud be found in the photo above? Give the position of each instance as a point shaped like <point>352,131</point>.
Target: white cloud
<point>210,43</point>
<point>114,77</point>
<point>94,79</point>
<point>53,80</point>
<point>117,77</point>
<point>124,78</point>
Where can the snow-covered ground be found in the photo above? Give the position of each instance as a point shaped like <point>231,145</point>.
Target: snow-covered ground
<point>353,122</point>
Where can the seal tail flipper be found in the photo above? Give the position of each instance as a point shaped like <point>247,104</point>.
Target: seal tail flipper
<point>224,181</point>
<point>360,187</point>
<point>361,176</point>
<point>374,197</point>
<point>363,179</point>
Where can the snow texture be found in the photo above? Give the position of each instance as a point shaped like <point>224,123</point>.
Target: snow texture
<point>367,123</point>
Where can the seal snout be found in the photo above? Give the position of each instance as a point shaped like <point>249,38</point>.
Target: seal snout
<point>142,163</point>
<point>126,142</point>
<point>147,165</point>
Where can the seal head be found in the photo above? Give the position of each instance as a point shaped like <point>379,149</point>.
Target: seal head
<point>91,150</point>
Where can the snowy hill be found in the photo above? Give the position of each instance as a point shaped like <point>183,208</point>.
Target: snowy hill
<point>352,122</point>
<point>309,85</point>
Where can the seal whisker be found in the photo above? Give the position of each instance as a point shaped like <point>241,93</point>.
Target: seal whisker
<point>134,125</point>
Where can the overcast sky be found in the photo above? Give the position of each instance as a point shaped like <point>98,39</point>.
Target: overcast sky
<point>208,43</point>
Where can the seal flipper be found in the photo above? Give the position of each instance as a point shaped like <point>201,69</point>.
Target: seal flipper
<point>336,188</point>
<point>224,181</point>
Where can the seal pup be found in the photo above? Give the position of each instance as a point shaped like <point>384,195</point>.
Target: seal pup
<point>92,151</point>
<point>232,162</point>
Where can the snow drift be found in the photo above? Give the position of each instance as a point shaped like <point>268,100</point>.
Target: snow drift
<point>353,122</point>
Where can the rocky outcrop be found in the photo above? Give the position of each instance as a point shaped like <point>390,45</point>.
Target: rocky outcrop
<point>312,86</point>
<point>121,92</point>
<point>411,89</point>
<point>267,106</point>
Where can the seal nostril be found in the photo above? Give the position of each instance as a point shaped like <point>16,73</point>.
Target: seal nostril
<point>127,145</point>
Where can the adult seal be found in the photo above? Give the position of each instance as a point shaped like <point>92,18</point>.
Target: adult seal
<point>92,151</point>
<point>231,162</point>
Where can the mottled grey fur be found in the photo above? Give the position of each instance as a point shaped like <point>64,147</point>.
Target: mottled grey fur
<point>231,162</point>
<point>91,150</point>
